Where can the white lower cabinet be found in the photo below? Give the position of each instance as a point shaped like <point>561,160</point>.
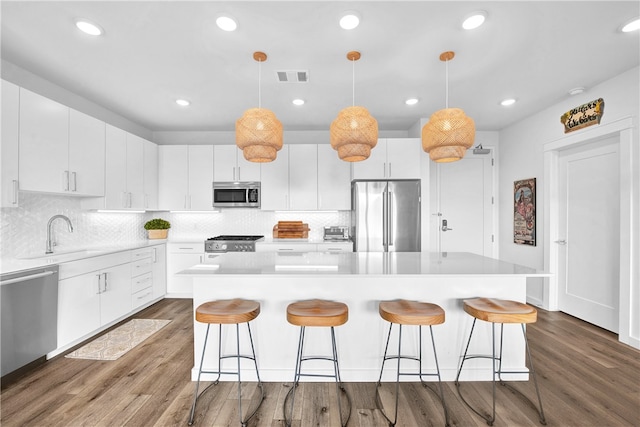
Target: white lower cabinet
<point>181,256</point>
<point>91,293</point>
<point>94,293</point>
<point>141,277</point>
<point>159,271</point>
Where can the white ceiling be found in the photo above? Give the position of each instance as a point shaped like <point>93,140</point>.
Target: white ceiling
<point>153,52</point>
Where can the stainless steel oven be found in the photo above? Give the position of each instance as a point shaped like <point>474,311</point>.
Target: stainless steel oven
<point>236,194</point>
<point>231,243</point>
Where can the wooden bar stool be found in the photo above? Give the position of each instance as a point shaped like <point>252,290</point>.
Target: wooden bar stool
<point>324,314</point>
<point>228,312</point>
<point>500,311</point>
<point>411,313</point>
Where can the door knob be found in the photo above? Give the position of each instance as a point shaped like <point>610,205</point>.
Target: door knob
<point>561,242</point>
<point>444,226</point>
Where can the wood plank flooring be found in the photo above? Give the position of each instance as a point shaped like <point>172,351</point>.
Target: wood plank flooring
<point>587,378</point>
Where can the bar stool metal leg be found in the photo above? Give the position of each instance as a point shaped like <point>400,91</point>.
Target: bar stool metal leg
<point>288,415</point>
<point>219,372</point>
<point>420,373</point>
<point>498,372</point>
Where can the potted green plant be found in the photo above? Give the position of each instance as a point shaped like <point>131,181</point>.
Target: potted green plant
<point>157,228</point>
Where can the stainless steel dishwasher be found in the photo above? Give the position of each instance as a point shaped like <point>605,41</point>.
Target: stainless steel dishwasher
<point>29,302</point>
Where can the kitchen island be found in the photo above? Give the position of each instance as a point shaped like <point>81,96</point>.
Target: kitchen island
<point>361,280</point>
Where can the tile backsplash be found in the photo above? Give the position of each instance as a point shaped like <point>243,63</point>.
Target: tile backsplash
<point>23,230</point>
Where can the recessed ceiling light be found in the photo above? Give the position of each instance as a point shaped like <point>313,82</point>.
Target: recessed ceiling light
<point>576,90</point>
<point>298,101</point>
<point>507,102</point>
<point>349,20</point>
<point>632,25</point>
<point>411,101</point>
<point>183,102</point>
<point>226,23</point>
<point>89,27</point>
<point>474,20</point>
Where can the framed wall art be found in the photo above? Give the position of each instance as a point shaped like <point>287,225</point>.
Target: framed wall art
<point>524,212</point>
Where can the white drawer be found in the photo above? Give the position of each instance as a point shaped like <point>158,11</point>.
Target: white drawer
<point>142,297</point>
<point>143,253</point>
<point>286,247</point>
<point>142,266</point>
<point>335,247</point>
<point>141,282</point>
<point>185,248</point>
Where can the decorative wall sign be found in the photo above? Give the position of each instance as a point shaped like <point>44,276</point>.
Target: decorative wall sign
<point>524,212</point>
<point>585,115</point>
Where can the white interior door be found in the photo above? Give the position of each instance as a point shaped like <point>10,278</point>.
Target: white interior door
<point>464,192</point>
<point>589,233</point>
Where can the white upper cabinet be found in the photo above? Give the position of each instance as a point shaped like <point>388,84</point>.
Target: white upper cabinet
<point>303,177</point>
<point>61,150</point>
<point>135,172</point>
<point>150,179</point>
<point>86,154</point>
<point>392,158</point>
<point>201,177</point>
<point>230,165</point>
<point>9,150</point>
<point>124,170</point>
<point>185,177</point>
<point>334,180</point>
<point>275,182</point>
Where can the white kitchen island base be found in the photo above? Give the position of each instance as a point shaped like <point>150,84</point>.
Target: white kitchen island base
<point>360,280</point>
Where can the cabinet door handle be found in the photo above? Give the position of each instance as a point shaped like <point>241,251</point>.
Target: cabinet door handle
<point>130,200</point>
<point>238,173</point>
<point>384,170</point>
<point>99,282</point>
<point>66,178</point>
<point>15,192</point>
<point>154,256</point>
<point>389,169</point>
<point>234,173</point>
<point>75,181</point>
<point>105,281</point>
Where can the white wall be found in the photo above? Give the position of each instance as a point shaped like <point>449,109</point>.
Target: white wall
<point>521,156</point>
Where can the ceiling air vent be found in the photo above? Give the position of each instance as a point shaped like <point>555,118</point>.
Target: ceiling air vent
<point>293,76</point>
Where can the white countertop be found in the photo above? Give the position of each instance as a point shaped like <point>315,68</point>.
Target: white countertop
<point>359,263</point>
<point>12,265</point>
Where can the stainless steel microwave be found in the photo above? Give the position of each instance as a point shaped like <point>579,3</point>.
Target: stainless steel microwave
<point>236,194</point>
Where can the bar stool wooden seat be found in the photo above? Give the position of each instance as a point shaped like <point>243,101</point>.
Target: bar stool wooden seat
<point>317,313</point>
<point>500,311</point>
<point>410,313</point>
<point>228,312</point>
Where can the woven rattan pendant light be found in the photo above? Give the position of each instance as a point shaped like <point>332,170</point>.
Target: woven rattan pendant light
<point>449,132</point>
<point>258,131</point>
<point>354,132</point>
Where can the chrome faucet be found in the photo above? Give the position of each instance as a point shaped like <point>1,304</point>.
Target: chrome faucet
<point>50,243</point>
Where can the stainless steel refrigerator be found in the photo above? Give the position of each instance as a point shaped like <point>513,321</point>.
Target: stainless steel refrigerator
<point>385,215</point>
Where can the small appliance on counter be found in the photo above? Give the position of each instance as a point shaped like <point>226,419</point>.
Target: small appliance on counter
<point>336,233</point>
<point>291,230</point>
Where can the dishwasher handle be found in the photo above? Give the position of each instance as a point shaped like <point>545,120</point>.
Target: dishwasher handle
<point>25,278</point>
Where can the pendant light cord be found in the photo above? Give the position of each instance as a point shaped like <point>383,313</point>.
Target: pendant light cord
<point>446,82</point>
<point>260,84</point>
<point>353,82</point>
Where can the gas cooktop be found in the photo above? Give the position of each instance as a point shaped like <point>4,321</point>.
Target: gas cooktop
<point>232,243</point>
<point>241,238</point>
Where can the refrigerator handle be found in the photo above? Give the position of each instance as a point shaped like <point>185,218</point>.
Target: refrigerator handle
<point>390,222</point>
<point>385,223</point>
